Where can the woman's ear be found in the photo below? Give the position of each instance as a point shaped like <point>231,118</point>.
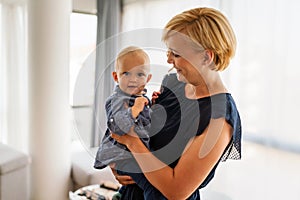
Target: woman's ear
<point>209,59</point>
<point>115,76</point>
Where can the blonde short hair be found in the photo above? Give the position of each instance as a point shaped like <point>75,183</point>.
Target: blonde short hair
<point>133,50</point>
<point>208,28</point>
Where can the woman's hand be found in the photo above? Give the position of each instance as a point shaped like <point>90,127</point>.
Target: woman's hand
<point>122,179</point>
<point>127,139</point>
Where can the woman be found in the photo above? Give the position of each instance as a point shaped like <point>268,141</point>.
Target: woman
<point>202,126</point>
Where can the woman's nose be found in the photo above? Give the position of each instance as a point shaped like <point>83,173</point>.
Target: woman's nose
<point>169,57</point>
<point>170,60</point>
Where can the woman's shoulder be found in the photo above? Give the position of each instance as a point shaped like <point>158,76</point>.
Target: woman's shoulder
<point>222,104</point>
<point>232,110</point>
<point>233,150</point>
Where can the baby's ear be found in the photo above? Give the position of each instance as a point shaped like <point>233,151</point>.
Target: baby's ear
<point>149,77</point>
<point>115,76</point>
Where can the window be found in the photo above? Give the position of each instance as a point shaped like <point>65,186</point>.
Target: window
<point>83,37</point>
<point>83,30</point>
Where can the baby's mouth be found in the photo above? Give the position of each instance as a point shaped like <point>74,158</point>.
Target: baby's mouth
<point>138,90</point>
<point>132,87</point>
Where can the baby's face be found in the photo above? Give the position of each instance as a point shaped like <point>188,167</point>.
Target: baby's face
<point>132,74</point>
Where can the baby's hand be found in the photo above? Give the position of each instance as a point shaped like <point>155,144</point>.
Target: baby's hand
<point>138,106</point>
<point>155,95</point>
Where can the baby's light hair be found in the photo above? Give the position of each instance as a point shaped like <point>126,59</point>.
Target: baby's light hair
<point>131,50</point>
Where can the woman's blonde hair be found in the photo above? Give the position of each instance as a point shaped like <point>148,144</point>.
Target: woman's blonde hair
<point>208,28</point>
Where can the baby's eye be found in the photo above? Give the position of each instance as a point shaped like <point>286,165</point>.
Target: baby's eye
<point>141,74</point>
<point>125,73</point>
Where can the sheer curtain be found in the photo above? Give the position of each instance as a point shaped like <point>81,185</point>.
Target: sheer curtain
<point>156,13</point>
<point>264,74</point>
<point>109,21</point>
<point>265,71</point>
<point>13,74</point>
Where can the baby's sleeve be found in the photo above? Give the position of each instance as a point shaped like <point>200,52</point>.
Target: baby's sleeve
<point>119,116</point>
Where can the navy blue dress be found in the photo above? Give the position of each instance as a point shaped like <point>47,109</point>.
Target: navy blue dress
<point>176,119</point>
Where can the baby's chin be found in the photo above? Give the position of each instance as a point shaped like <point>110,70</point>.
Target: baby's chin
<point>140,93</point>
<point>136,91</point>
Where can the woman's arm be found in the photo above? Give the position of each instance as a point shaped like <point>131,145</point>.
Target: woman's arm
<point>198,159</point>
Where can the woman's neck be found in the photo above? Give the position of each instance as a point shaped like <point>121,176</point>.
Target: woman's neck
<point>205,89</point>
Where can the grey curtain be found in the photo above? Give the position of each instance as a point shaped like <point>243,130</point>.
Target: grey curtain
<point>109,22</point>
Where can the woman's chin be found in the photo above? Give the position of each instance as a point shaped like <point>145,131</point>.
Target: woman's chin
<point>181,78</point>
